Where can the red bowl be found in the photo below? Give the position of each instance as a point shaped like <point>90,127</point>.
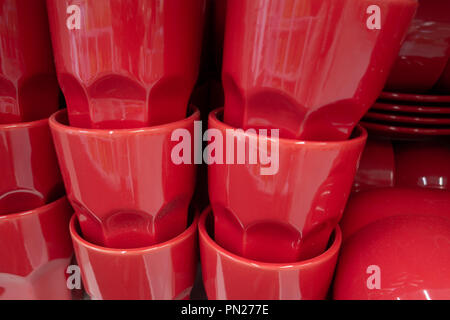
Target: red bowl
<point>429,121</point>
<point>403,132</point>
<point>35,251</point>
<point>425,50</point>
<point>28,87</point>
<point>227,276</point>
<point>123,184</point>
<point>127,64</point>
<point>424,109</point>
<point>268,77</point>
<point>368,206</point>
<point>397,258</point>
<point>415,98</point>
<point>165,271</point>
<point>289,214</point>
<point>29,174</point>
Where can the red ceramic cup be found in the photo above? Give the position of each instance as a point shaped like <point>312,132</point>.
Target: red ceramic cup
<point>310,68</point>
<point>425,51</point>
<point>288,214</point>
<point>398,258</point>
<point>123,184</point>
<point>35,251</point>
<point>29,173</point>
<point>227,276</point>
<point>126,64</point>
<point>28,86</point>
<point>369,206</point>
<point>160,272</point>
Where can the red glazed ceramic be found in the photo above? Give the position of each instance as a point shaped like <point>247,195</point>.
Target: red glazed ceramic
<point>35,251</point>
<point>369,206</point>
<point>403,132</point>
<point>415,98</point>
<point>397,258</point>
<point>425,51</point>
<point>123,184</point>
<point>28,86</point>
<point>310,68</point>
<point>163,271</point>
<point>408,119</point>
<point>227,276</point>
<point>444,82</point>
<point>29,173</point>
<point>422,109</point>
<point>286,215</point>
<point>377,166</point>
<point>126,64</point>
<point>423,164</point>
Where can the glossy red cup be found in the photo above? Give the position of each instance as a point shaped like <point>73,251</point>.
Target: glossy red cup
<point>28,86</point>
<point>29,173</point>
<point>165,271</point>
<point>289,215</point>
<point>127,64</point>
<point>425,51</point>
<point>397,258</point>
<point>35,251</point>
<point>369,206</point>
<point>310,68</point>
<point>227,276</point>
<point>123,184</point>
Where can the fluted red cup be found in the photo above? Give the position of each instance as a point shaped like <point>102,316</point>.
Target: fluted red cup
<point>164,271</point>
<point>28,86</point>
<point>227,276</point>
<point>310,68</point>
<point>29,172</point>
<point>126,64</point>
<point>125,187</point>
<point>283,208</point>
<point>35,251</point>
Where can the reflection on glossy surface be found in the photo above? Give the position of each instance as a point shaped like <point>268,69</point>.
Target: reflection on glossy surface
<point>29,173</point>
<point>165,271</point>
<point>423,164</point>
<point>311,68</point>
<point>123,184</point>
<point>35,250</point>
<point>377,165</point>
<point>408,256</point>
<point>425,51</point>
<point>28,87</point>
<point>131,63</point>
<point>368,206</point>
<point>228,276</point>
<point>299,206</point>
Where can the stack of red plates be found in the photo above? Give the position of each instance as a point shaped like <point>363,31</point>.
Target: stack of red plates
<point>409,116</point>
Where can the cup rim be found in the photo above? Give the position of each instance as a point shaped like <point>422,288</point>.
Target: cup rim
<point>328,254</point>
<point>37,211</point>
<point>184,236</point>
<point>361,136</point>
<point>24,125</point>
<point>57,125</point>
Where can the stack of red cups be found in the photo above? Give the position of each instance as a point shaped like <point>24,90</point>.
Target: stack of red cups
<point>298,75</point>
<point>35,246</point>
<point>127,69</point>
